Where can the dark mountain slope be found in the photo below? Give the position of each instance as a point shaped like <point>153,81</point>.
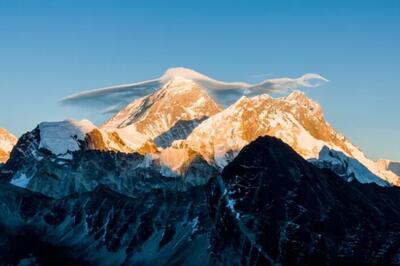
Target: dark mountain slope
<point>269,206</point>
<point>272,206</point>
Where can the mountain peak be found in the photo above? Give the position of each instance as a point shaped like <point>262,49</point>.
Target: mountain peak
<point>179,84</point>
<point>300,99</point>
<point>262,147</point>
<point>169,113</point>
<point>64,136</point>
<point>7,142</point>
<point>296,94</point>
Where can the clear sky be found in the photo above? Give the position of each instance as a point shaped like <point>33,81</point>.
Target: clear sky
<point>51,49</point>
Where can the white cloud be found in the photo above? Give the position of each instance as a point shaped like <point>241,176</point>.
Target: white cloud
<point>111,99</point>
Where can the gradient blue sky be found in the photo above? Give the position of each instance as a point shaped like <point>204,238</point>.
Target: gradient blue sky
<point>51,49</point>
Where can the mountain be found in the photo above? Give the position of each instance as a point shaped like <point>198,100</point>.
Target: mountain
<point>393,166</point>
<point>272,207</point>
<point>268,207</point>
<point>168,114</point>
<point>295,119</point>
<point>61,158</point>
<point>157,226</point>
<point>182,129</point>
<point>7,142</point>
<point>64,137</point>
<point>181,110</point>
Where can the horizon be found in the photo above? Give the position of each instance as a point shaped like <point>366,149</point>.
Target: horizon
<point>52,50</point>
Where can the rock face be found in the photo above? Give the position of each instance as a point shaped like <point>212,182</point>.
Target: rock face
<point>269,207</point>
<point>102,227</point>
<point>169,114</point>
<point>7,142</point>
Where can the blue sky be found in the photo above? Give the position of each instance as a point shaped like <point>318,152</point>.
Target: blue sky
<point>51,49</point>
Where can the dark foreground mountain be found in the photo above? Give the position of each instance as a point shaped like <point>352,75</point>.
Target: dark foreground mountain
<point>269,206</point>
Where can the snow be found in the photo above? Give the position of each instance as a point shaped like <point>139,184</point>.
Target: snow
<point>7,141</point>
<point>172,159</point>
<point>21,180</point>
<point>295,119</point>
<point>6,145</point>
<point>180,84</point>
<point>231,205</point>
<point>308,143</point>
<point>372,166</point>
<point>361,171</point>
<point>222,136</point>
<point>195,224</point>
<point>131,137</point>
<point>62,137</point>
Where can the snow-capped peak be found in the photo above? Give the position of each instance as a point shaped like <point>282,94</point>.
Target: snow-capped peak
<point>296,95</point>
<point>167,114</point>
<point>7,142</point>
<point>179,84</point>
<point>296,119</point>
<point>64,136</point>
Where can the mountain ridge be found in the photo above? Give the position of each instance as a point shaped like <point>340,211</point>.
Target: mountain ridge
<point>180,100</point>
<point>295,119</point>
<point>180,123</point>
<point>269,206</point>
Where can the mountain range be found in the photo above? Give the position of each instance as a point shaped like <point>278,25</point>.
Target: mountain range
<point>175,178</point>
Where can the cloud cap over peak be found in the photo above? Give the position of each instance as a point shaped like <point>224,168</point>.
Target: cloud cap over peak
<point>112,99</point>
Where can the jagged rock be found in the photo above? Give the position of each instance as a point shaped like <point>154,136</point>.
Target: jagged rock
<point>269,207</point>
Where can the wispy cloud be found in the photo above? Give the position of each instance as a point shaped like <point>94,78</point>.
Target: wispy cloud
<point>111,99</point>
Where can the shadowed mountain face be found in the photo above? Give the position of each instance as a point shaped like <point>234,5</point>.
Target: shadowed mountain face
<point>39,170</point>
<point>269,206</point>
<point>102,227</point>
<point>180,130</point>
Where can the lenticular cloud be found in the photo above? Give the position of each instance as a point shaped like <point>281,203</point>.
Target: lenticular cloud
<point>112,99</point>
